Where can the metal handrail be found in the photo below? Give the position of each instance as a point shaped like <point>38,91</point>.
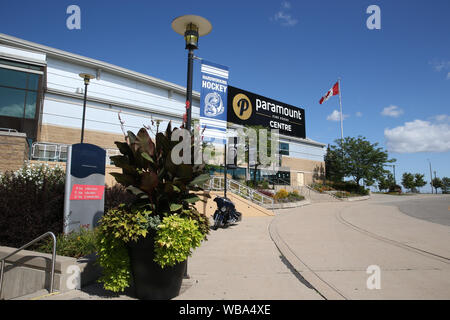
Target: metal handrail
<point>26,246</point>
<point>242,190</point>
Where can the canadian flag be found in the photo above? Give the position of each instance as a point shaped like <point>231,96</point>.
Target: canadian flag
<point>332,92</point>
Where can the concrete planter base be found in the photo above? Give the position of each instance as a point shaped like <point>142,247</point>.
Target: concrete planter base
<point>28,271</point>
<point>289,204</point>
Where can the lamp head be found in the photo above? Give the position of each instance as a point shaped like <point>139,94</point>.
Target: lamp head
<point>86,77</point>
<point>191,27</point>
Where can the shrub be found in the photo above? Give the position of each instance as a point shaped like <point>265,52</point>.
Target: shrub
<point>395,189</point>
<point>116,195</point>
<point>295,196</point>
<point>351,187</point>
<point>281,194</point>
<point>74,244</point>
<point>174,239</point>
<point>31,203</point>
<point>116,228</point>
<point>342,194</point>
<point>266,193</point>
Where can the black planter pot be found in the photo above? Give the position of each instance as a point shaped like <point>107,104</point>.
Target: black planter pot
<point>151,282</point>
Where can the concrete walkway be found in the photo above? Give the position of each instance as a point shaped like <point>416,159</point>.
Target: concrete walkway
<point>242,263</point>
<point>239,263</point>
<point>318,251</point>
<point>333,244</point>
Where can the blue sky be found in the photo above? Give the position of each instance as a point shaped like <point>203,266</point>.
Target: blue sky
<point>395,81</point>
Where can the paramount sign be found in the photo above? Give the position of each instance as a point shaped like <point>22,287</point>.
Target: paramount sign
<point>248,109</point>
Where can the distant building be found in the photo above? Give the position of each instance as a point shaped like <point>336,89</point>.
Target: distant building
<point>41,102</point>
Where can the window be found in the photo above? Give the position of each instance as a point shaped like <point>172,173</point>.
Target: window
<point>20,94</point>
<point>284,148</point>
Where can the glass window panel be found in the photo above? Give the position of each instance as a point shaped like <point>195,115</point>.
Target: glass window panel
<point>30,106</point>
<point>33,81</point>
<point>12,102</point>
<point>21,65</point>
<point>13,78</point>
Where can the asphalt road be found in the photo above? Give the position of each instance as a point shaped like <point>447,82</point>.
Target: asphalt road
<point>335,246</point>
<point>432,208</point>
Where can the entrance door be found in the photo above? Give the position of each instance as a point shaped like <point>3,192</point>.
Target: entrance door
<point>300,179</point>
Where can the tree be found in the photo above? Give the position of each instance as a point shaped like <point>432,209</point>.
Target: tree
<point>419,180</point>
<point>408,181</point>
<point>386,181</point>
<point>333,166</point>
<point>445,185</point>
<point>437,183</point>
<point>412,181</point>
<point>357,158</point>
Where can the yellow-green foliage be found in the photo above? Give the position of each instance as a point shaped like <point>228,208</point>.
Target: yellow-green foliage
<point>117,227</point>
<point>174,239</point>
<point>281,194</point>
<point>125,223</point>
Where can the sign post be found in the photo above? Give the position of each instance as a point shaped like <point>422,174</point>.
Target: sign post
<point>85,186</point>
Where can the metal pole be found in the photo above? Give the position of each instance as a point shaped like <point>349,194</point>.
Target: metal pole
<point>340,105</point>
<point>225,173</point>
<point>189,90</point>
<point>431,177</point>
<point>189,112</point>
<point>84,110</point>
<point>1,277</point>
<point>67,191</point>
<point>395,181</point>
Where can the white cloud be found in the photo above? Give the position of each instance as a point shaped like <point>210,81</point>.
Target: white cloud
<point>392,111</point>
<point>420,136</point>
<point>283,16</point>
<point>336,116</point>
<point>442,118</point>
<point>441,65</point>
<point>286,5</point>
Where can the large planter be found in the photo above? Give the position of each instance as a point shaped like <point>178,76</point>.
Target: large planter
<point>151,282</point>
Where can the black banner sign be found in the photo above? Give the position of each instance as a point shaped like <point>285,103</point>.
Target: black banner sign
<point>249,109</point>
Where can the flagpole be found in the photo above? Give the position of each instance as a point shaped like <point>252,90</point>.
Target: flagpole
<point>340,105</point>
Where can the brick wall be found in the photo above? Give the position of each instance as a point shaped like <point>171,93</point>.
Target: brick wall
<point>13,150</point>
<point>65,135</point>
<point>313,171</point>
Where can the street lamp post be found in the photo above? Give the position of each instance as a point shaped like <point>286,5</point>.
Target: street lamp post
<point>87,77</point>
<point>393,167</point>
<point>431,177</point>
<point>191,27</point>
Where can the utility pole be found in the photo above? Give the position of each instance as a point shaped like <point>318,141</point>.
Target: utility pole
<point>431,177</point>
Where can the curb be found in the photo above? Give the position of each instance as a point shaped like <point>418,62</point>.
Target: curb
<point>323,288</point>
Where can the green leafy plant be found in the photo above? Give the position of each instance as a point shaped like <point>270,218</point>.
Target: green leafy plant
<point>115,262</point>
<point>163,200</point>
<point>74,244</point>
<point>174,240</point>
<point>295,196</point>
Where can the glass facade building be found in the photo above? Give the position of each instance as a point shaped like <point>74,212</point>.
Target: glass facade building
<point>20,97</point>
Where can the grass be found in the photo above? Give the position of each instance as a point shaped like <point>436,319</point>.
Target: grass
<point>74,244</point>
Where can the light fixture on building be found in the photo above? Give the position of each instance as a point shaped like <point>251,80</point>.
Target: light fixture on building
<point>86,77</point>
<point>191,27</point>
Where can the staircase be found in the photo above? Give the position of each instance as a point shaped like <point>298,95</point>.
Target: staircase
<point>309,193</point>
<point>217,183</point>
